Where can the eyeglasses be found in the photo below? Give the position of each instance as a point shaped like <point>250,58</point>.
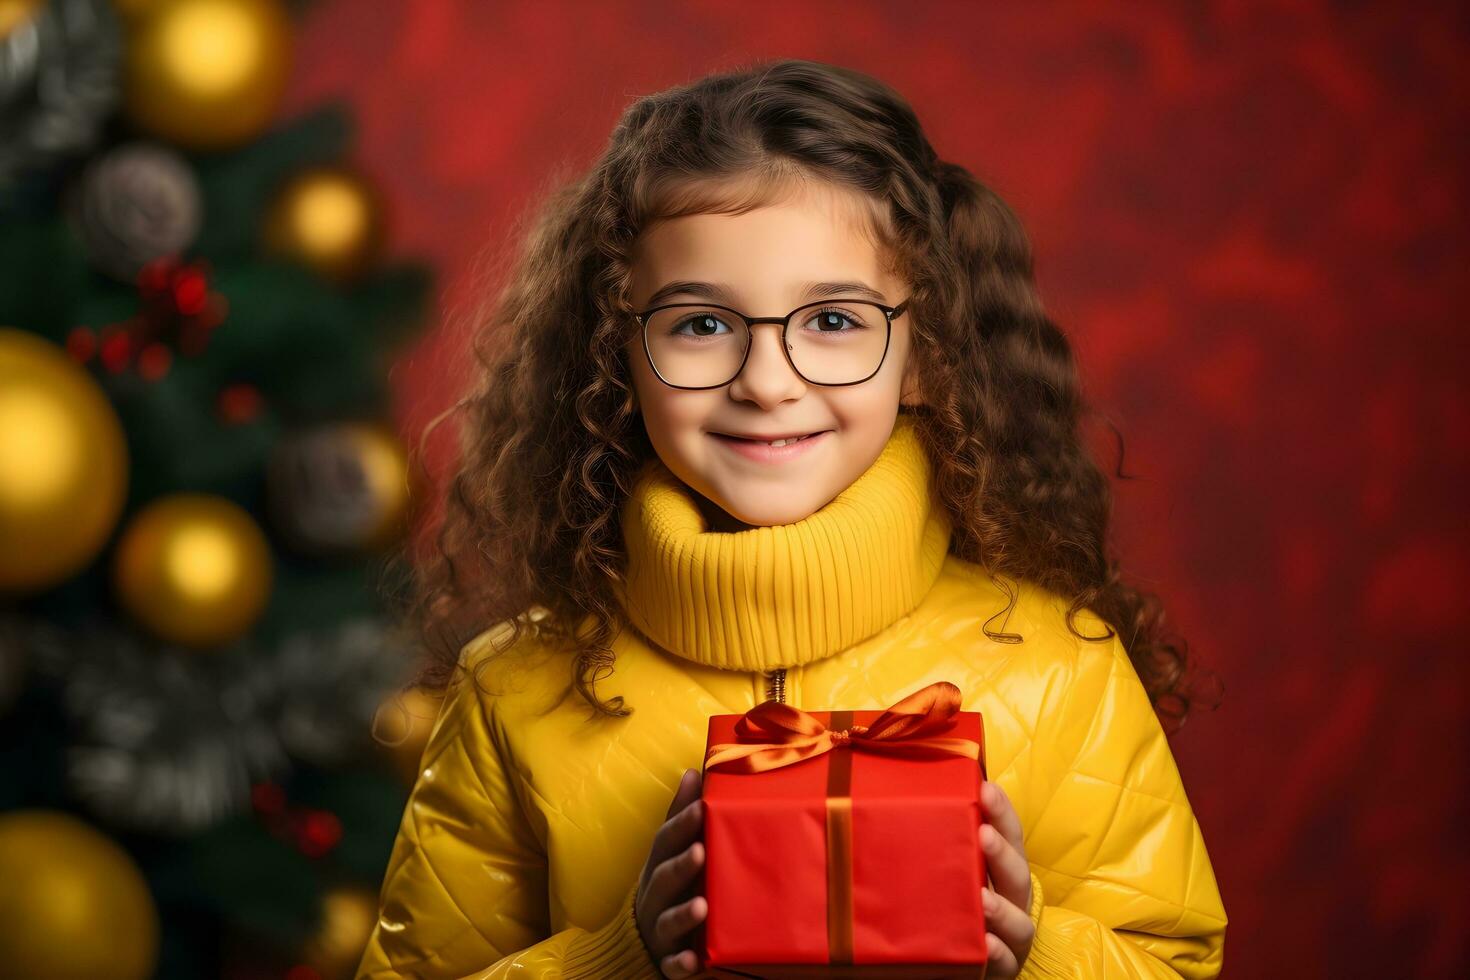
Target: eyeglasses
<point>702,345</point>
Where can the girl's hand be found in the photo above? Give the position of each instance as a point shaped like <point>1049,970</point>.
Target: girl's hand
<point>665,918</point>
<point>1007,899</point>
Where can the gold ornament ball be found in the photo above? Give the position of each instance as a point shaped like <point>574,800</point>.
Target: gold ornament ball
<point>194,569</point>
<point>328,217</point>
<point>74,904</point>
<point>206,74</point>
<point>63,464</point>
<point>348,915</point>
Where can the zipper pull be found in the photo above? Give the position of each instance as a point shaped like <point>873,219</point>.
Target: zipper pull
<point>776,685</point>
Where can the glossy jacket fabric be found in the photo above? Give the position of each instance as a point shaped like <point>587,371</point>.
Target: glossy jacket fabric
<point>524,837</point>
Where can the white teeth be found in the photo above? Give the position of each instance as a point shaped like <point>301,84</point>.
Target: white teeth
<point>776,443</point>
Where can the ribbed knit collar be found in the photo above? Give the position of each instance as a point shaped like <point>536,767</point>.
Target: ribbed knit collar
<point>788,594</point>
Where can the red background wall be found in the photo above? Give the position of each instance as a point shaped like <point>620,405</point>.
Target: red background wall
<point>1248,217</point>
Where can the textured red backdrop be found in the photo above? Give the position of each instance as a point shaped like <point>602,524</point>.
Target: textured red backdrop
<point>1248,217</point>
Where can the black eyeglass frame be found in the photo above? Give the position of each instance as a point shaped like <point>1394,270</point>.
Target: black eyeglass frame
<point>889,313</point>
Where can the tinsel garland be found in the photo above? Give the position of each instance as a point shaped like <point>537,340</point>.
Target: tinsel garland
<point>168,740</point>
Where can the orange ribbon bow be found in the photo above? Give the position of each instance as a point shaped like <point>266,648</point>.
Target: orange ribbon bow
<point>775,734</point>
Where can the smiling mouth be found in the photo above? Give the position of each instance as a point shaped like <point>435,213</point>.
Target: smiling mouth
<point>762,442</point>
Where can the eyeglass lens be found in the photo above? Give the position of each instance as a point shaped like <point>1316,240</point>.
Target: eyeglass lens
<point>836,343</point>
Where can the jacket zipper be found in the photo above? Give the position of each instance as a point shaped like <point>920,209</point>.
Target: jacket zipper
<point>776,685</point>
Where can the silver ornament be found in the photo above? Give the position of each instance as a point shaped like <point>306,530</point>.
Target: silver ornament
<point>136,203</point>
<point>60,78</point>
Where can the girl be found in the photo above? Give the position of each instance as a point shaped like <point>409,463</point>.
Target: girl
<point>764,256</point>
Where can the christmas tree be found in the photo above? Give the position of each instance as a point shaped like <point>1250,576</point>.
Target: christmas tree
<point>205,728</point>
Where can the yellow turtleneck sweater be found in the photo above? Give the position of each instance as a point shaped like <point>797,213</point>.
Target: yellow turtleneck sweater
<point>526,832</point>
<point>789,594</point>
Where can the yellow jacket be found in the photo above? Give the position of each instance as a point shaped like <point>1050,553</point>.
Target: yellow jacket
<point>527,829</point>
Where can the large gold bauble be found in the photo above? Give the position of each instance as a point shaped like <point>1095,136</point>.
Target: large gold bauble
<point>328,217</point>
<point>63,464</point>
<point>74,904</point>
<point>207,74</point>
<point>194,569</point>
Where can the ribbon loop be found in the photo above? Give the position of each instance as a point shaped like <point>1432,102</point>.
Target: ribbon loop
<point>775,734</point>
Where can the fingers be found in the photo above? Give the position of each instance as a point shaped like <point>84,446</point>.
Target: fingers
<point>1002,841</point>
<point>1008,871</point>
<point>679,965</point>
<point>674,862</point>
<point>1000,812</point>
<point>1010,924</point>
<point>673,928</point>
<point>682,827</point>
<point>688,790</point>
<point>675,924</point>
<point>672,879</point>
<point>1000,961</point>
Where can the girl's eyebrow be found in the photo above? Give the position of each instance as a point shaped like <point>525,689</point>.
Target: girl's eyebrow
<point>722,293</point>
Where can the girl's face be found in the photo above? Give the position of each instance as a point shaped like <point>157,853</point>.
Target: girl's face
<point>768,261</point>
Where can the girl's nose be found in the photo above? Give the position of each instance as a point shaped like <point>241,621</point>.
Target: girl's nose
<point>767,377</point>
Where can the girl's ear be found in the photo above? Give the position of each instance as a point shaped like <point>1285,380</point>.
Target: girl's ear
<point>909,393</point>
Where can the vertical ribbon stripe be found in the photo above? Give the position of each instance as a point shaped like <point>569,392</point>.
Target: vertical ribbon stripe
<point>839,849</point>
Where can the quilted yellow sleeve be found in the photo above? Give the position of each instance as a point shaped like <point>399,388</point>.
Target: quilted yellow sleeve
<point>465,894</point>
<point>1121,883</point>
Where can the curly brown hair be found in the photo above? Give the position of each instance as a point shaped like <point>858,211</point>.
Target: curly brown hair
<point>530,535</point>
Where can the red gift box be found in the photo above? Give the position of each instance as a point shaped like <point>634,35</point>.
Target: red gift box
<point>845,843</point>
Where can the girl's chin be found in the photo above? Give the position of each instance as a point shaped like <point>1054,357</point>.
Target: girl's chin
<point>758,513</point>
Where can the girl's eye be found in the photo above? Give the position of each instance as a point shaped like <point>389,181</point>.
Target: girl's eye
<point>831,321</point>
<point>704,325</point>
